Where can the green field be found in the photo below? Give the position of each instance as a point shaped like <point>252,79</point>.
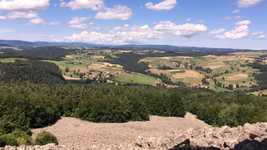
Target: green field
<point>222,71</point>
<point>10,60</point>
<point>136,78</point>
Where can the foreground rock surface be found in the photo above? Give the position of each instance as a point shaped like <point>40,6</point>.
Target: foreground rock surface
<point>247,137</point>
<point>158,134</point>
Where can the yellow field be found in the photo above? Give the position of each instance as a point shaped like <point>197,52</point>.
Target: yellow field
<point>239,76</point>
<point>188,74</point>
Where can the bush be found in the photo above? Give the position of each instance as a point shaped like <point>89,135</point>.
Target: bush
<point>2,142</point>
<point>15,138</point>
<point>44,138</point>
<point>8,139</point>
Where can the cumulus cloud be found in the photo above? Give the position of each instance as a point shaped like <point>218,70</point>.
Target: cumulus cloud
<point>23,9</point>
<point>15,5</point>
<point>243,22</point>
<point>259,35</point>
<point>184,30</point>
<point>31,16</point>
<point>102,12</point>
<point>78,22</point>
<point>37,21</point>
<point>83,4</point>
<point>236,11</point>
<point>217,31</point>
<point>164,5</point>
<point>117,12</point>
<point>119,35</point>
<point>241,30</point>
<point>248,3</point>
<point>135,34</point>
<point>19,15</point>
<point>54,23</point>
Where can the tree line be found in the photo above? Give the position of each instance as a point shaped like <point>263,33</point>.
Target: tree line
<point>26,105</point>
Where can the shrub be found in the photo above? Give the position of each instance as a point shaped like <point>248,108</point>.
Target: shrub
<point>2,142</point>
<point>8,139</point>
<point>17,137</point>
<point>22,138</point>
<point>44,138</point>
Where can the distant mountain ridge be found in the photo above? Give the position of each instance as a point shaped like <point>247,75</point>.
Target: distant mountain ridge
<point>18,43</point>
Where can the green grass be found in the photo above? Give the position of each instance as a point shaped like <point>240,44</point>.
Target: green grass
<point>10,60</point>
<point>136,78</point>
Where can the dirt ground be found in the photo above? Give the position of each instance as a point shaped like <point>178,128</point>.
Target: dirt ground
<point>83,135</point>
<point>188,74</point>
<point>236,77</point>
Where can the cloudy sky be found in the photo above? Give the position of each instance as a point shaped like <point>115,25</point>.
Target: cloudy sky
<point>208,23</point>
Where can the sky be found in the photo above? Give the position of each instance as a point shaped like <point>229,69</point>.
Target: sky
<point>207,23</point>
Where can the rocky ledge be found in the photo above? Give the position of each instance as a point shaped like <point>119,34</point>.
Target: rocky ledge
<point>247,137</point>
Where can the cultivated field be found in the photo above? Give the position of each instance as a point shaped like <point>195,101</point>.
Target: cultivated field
<point>225,72</point>
<point>84,66</point>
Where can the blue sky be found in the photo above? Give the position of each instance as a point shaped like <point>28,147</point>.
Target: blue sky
<point>208,23</point>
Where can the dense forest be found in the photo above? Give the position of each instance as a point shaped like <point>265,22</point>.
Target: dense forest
<point>26,105</point>
<point>30,70</point>
<point>37,53</point>
<point>262,75</point>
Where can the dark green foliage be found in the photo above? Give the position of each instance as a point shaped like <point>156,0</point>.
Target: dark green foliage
<point>33,71</point>
<point>130,61</point>
<point>261,76</point>
<point>26,105</point>
<point>8,139</point>
<point>17,137</point>
<point>38,53</point>
<point>23,114</point>
<point>44,138</point>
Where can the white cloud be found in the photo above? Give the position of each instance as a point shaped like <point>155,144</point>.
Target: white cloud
<point>83,4</point>
<point>237,33</point>
<point>188,19</point>
<point>184,30</point>
<point>32,16</point>
<point>117,12</point>
<point>15,5</point>
<point>217,31</point>
<point>37,21</point>
<point>119,35</point>
<point>19,15</point>
<point>236,11</point>
<point>54,23</point>
<point>248,3</point>
<point>259,35</point>
<point>23,9</point>
<point>164,5</point>
<point>78,22</point>
<point>241,30</point>
<point>136,34</point>
<point>243,22</point>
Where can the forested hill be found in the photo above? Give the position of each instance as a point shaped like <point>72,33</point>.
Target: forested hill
<point>43,53</point>
<point>30,70</point>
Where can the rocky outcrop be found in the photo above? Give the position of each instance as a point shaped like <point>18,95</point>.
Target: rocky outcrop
<point>247,137</point>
